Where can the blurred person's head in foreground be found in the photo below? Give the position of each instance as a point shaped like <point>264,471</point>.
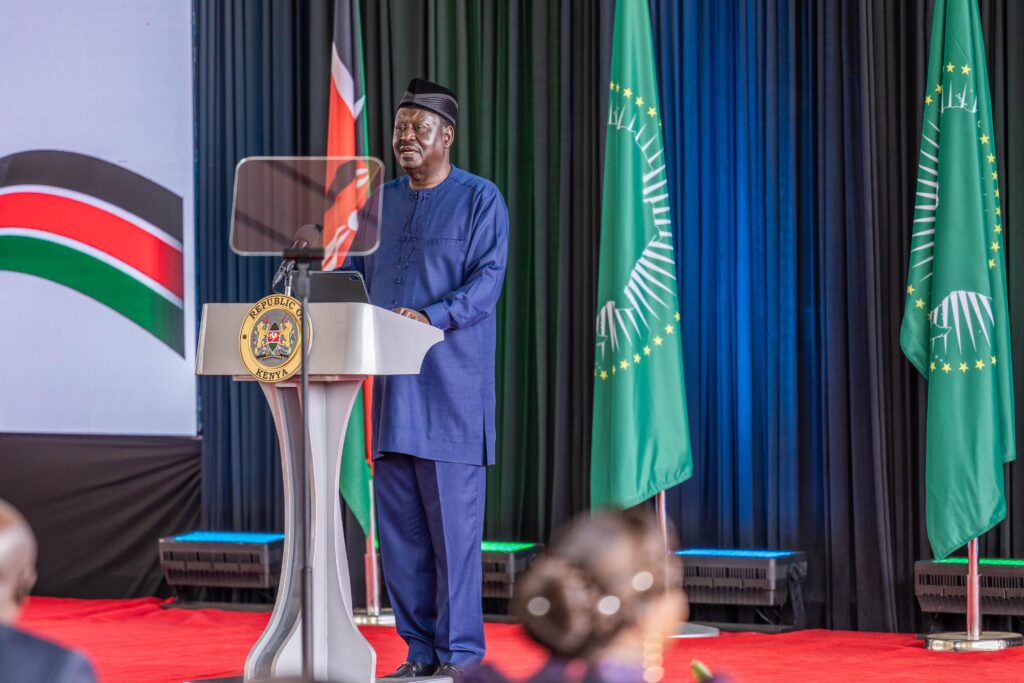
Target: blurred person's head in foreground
<point>607,591</point>
<point>17,562</point>
<point>23,656</point>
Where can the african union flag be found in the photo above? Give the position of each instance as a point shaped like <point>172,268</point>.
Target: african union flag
<point>956,325</point>
<point>641,439</point>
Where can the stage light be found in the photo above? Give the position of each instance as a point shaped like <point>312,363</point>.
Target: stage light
<point>228,537</point>
<point>503,562</point>
<point>507,546</point>
<point>724,552</point>
<point>751,578</point>
<point>222,559</point>
<point>942,586</point>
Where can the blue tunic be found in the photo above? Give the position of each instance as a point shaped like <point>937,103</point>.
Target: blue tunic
<point>442,251</point>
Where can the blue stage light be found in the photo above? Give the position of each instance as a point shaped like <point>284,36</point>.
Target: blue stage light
<point>724,552</point>
<point>740,576</point>
<point>228,537</point>
<point>222,559</point>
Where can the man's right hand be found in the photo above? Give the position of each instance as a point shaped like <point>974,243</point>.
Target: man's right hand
<point>414,315</point>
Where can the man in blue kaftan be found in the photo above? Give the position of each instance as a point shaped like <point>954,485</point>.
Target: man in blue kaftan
<point>441,261</point>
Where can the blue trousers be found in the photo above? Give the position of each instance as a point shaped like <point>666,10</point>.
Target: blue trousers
<point>430,516</point>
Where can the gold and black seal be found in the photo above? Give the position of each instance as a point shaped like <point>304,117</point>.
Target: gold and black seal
<point>270,340</point>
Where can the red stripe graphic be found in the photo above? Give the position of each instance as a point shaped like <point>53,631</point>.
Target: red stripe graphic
<point>96,228</point>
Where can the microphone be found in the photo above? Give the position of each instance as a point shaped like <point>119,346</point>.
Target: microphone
<point>308,234</point>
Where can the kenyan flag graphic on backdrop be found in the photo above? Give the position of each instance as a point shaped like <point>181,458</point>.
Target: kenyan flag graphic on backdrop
<point>97,228</point>
<point>956,326</point>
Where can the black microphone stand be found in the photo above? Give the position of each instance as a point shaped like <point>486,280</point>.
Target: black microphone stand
<point>289,280</point>
<point>302,258</point>
<point>299,251</point>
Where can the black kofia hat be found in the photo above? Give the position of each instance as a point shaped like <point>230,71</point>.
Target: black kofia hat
<point>424,94</point>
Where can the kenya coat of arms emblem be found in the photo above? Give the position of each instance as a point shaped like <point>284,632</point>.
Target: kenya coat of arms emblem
<point>270,340</point>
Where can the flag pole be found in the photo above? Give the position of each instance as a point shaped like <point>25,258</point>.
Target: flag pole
<point>663,519</point>
<point>973,592</point>
<point>374,615</point>
<point>372,575</point>
<point>973,639</point>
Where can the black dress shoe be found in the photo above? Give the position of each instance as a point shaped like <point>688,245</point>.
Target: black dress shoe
<point>451,671</point>
<point>413,670</point>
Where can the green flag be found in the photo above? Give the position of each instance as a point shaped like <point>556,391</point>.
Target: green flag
<point>356,478</point>
<point>956,326</point>
<point>641,437</point>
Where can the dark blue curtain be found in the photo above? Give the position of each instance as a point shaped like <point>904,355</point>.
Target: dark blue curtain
<point>261,77</point>
<point>791,128</point>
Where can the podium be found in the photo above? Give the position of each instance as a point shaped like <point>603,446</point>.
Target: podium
<point>346,343</point>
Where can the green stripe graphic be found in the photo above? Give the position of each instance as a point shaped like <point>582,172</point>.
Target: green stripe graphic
<point>96,280</point>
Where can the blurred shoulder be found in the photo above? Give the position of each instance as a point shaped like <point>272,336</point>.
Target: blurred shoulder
<point>29,658</point>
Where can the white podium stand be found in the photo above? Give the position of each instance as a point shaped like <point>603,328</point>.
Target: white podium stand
<point>349,342</point>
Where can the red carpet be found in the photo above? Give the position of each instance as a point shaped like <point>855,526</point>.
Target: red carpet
<point>134,641</point>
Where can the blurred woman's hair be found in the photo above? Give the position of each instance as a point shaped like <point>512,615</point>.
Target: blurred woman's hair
<point>598,576</point>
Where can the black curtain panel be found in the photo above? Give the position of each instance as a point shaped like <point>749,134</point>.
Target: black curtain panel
<point>98,505</point>
<point>261,76</point>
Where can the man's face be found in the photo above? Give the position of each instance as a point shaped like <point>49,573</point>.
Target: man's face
<point>421,139</point>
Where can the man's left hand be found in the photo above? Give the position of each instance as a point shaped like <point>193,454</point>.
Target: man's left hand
<point>415,315</point>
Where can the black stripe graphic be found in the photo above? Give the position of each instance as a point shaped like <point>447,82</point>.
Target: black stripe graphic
<point>101,179</point>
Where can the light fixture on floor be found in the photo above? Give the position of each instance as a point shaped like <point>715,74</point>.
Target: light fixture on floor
<point>250,561</point>
<point>749,578</point>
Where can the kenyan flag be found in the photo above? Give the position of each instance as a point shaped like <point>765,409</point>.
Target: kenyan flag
<point>348,186</point>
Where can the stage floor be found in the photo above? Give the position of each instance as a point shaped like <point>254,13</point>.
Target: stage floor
<point>135,641</point>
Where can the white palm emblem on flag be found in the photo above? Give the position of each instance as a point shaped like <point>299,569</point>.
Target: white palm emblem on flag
<point>962,311</point>
<point>648,280</point>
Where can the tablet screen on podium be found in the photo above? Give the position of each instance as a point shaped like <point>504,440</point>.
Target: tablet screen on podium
<point>337,286</point>
<point>279,202</point>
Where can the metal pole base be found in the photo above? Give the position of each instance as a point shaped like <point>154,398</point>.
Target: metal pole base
<point>959,641</point>
<point>384,617</point>
<point>691,630</point>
